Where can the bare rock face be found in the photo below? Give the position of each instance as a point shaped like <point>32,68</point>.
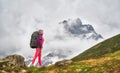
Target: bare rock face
<point>12,60</point>
<point>63,63</point>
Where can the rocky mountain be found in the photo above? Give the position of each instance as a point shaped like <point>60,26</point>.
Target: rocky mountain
<point>76,28</point>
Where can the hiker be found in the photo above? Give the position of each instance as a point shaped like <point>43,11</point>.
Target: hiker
<point>37,41</point>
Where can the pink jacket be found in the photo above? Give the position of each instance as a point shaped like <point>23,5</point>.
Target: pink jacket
<point>40,40</point>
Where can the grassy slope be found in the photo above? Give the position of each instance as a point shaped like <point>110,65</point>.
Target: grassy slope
<point>108,64</point>
<point>108,46</point>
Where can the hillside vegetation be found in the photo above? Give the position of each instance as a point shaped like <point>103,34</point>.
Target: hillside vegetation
<point>108,64</point>
<point>108,46</point>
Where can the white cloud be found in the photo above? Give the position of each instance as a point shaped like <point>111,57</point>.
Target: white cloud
<point>19,18</point>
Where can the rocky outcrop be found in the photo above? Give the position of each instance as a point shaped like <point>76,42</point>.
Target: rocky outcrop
<point>12,60</point>
<point>63,63</point>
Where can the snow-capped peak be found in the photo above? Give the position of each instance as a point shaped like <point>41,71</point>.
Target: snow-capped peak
<point>76,28</point>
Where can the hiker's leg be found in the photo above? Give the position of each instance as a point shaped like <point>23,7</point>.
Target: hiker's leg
<point>39,57</point>
<point>35,56</point>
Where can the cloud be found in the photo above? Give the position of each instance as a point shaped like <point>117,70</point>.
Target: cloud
<point>19,18</point>
<point>103,14</point>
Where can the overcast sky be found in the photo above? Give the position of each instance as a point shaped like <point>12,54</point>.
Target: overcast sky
<point>19,18</point>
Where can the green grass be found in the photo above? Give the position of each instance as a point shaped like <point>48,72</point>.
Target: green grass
<point>106,64</point>
<point>114,54</point>
<point>110,45</point>
<point>100,65</point>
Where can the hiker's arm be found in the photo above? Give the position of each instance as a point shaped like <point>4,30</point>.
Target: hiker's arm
<point>40,41</point>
